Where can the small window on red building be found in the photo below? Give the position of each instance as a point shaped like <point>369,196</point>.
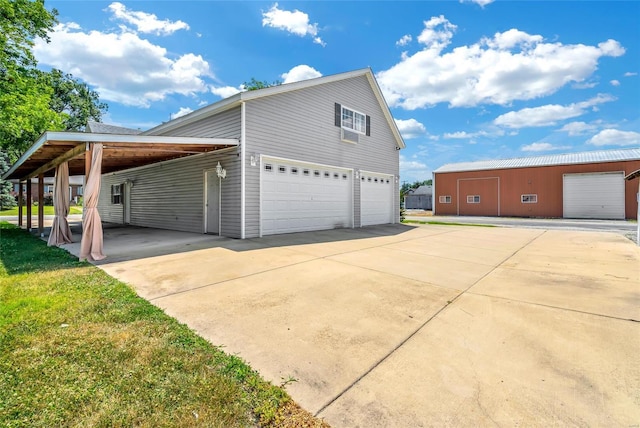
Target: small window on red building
<point>473,199</point>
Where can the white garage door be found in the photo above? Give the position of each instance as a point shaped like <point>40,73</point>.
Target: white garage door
<point>376,199</point>
<point>599,195</point>
<point>298,197</point>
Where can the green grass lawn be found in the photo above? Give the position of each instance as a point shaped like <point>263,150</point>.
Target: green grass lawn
<point>79,348</point>
<point>48,210</point>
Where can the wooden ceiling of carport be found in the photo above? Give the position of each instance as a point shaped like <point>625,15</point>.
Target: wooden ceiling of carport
<point>115,156</point>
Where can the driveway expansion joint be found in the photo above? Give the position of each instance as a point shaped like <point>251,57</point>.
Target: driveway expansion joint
<point>420,327</point>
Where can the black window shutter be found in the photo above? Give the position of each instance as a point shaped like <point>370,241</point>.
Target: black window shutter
<point>368,126</point>
<point>338,111</point>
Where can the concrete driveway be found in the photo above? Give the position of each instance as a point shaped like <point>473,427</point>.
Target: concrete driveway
<point>413,325</point>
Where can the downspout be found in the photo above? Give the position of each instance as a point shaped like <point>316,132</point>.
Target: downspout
<point>243,136</point>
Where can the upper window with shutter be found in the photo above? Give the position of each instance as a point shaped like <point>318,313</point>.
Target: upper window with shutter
<point>352,120</point>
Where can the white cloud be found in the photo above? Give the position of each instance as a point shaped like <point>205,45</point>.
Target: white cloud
<point>295,22</point>
<point>549,114</point>
<point>404,40</point>
<point>300,72</point>
<point>482,3</point>
<point>630,73</point>
<point>121,66</point>
<point>410,128</point>
<point>578,128</point>
<point>413,170</point>
<point>614,137</point>
<point>463,135</point>
<point>542,147</point>
<point>509,66</point>
<point>181,112</point>
<point>225,91</point>
<point>146,22</point>
<point>614,82</point>
<point>584,85</point>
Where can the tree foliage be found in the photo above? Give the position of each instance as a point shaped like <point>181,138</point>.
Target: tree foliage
<point>24,97</point>
<point>254,84</point>
<point>6,200</point>
<point>74,100</point>
<point>33,101</point>
<point>408,186</point>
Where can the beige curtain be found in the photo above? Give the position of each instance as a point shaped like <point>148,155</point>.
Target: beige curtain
<point>91,243</point>
<point>60,231</point>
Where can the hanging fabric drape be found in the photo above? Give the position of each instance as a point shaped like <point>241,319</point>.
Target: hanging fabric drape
<point>92,241</point>
<point>60,230</point>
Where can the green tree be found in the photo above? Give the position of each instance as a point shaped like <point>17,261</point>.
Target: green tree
<point>34,101</point>
<point>74,100</point>
<point>254,84</point>
<point>6,200</point>
<point>24,96</point>
<point>408,186</point>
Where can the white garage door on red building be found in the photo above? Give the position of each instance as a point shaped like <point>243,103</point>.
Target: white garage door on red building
<point>300,196</point>
<point>376,198</point>
<point>594,195</point>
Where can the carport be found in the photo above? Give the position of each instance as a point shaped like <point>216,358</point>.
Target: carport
<point>62,154</point>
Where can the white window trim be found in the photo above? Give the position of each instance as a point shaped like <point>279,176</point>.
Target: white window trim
<point>117,193</point>
<point>353,129</point>
<point>533,198</point>
<point>444,199</point>
<point>471,199</point>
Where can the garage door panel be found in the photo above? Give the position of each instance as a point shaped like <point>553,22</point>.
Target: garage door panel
<point>598,196</point>
<point>376,199</point>
<point>297,202</point>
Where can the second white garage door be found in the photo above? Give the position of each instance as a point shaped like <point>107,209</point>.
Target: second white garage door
<point>599,195</point>
<point>376,198</point>
<point>299,197</point>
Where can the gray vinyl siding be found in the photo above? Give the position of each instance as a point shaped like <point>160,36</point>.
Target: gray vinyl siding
<point>170,195</point>
<point>300,125</point>
<point>223,125</point>
<point>109,212</point>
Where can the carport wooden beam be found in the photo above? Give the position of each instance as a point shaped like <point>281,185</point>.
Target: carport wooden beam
<point>76,151</point>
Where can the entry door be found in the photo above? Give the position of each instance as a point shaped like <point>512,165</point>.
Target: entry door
<point>127,202</point>
<point>212,202</point>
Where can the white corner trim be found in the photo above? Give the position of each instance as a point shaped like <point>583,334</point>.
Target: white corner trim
<point>243,151</point>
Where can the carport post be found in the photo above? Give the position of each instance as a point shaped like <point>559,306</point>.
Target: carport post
<point>41,204</point>
<point>29,205</point>
<point>20,196</point>
<point>88,154</point>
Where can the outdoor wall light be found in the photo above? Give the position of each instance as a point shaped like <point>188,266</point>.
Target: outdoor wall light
<point>357,174</point>
<point>254,159</point>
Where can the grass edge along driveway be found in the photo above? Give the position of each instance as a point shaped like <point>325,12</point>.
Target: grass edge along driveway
<point>79,348</point>
<point>48,210</point>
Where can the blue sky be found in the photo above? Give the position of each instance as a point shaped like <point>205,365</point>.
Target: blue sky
<point>465,81</point>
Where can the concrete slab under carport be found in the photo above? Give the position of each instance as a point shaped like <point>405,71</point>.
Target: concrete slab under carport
<point>377,335</point>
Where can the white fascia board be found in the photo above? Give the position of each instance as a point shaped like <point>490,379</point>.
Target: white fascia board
<point>279,89</point>
<point>209,110</point>
<point>87,137</point>
<point>236,99</point>
<point>26,155</point>
<point>385,109</point>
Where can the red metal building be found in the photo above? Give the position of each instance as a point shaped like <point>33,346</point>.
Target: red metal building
<point>577,185</point>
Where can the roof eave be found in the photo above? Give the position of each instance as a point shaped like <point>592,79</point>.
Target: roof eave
<point>237,99</point>
<point>86,137</point>
<point>26,155</point>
